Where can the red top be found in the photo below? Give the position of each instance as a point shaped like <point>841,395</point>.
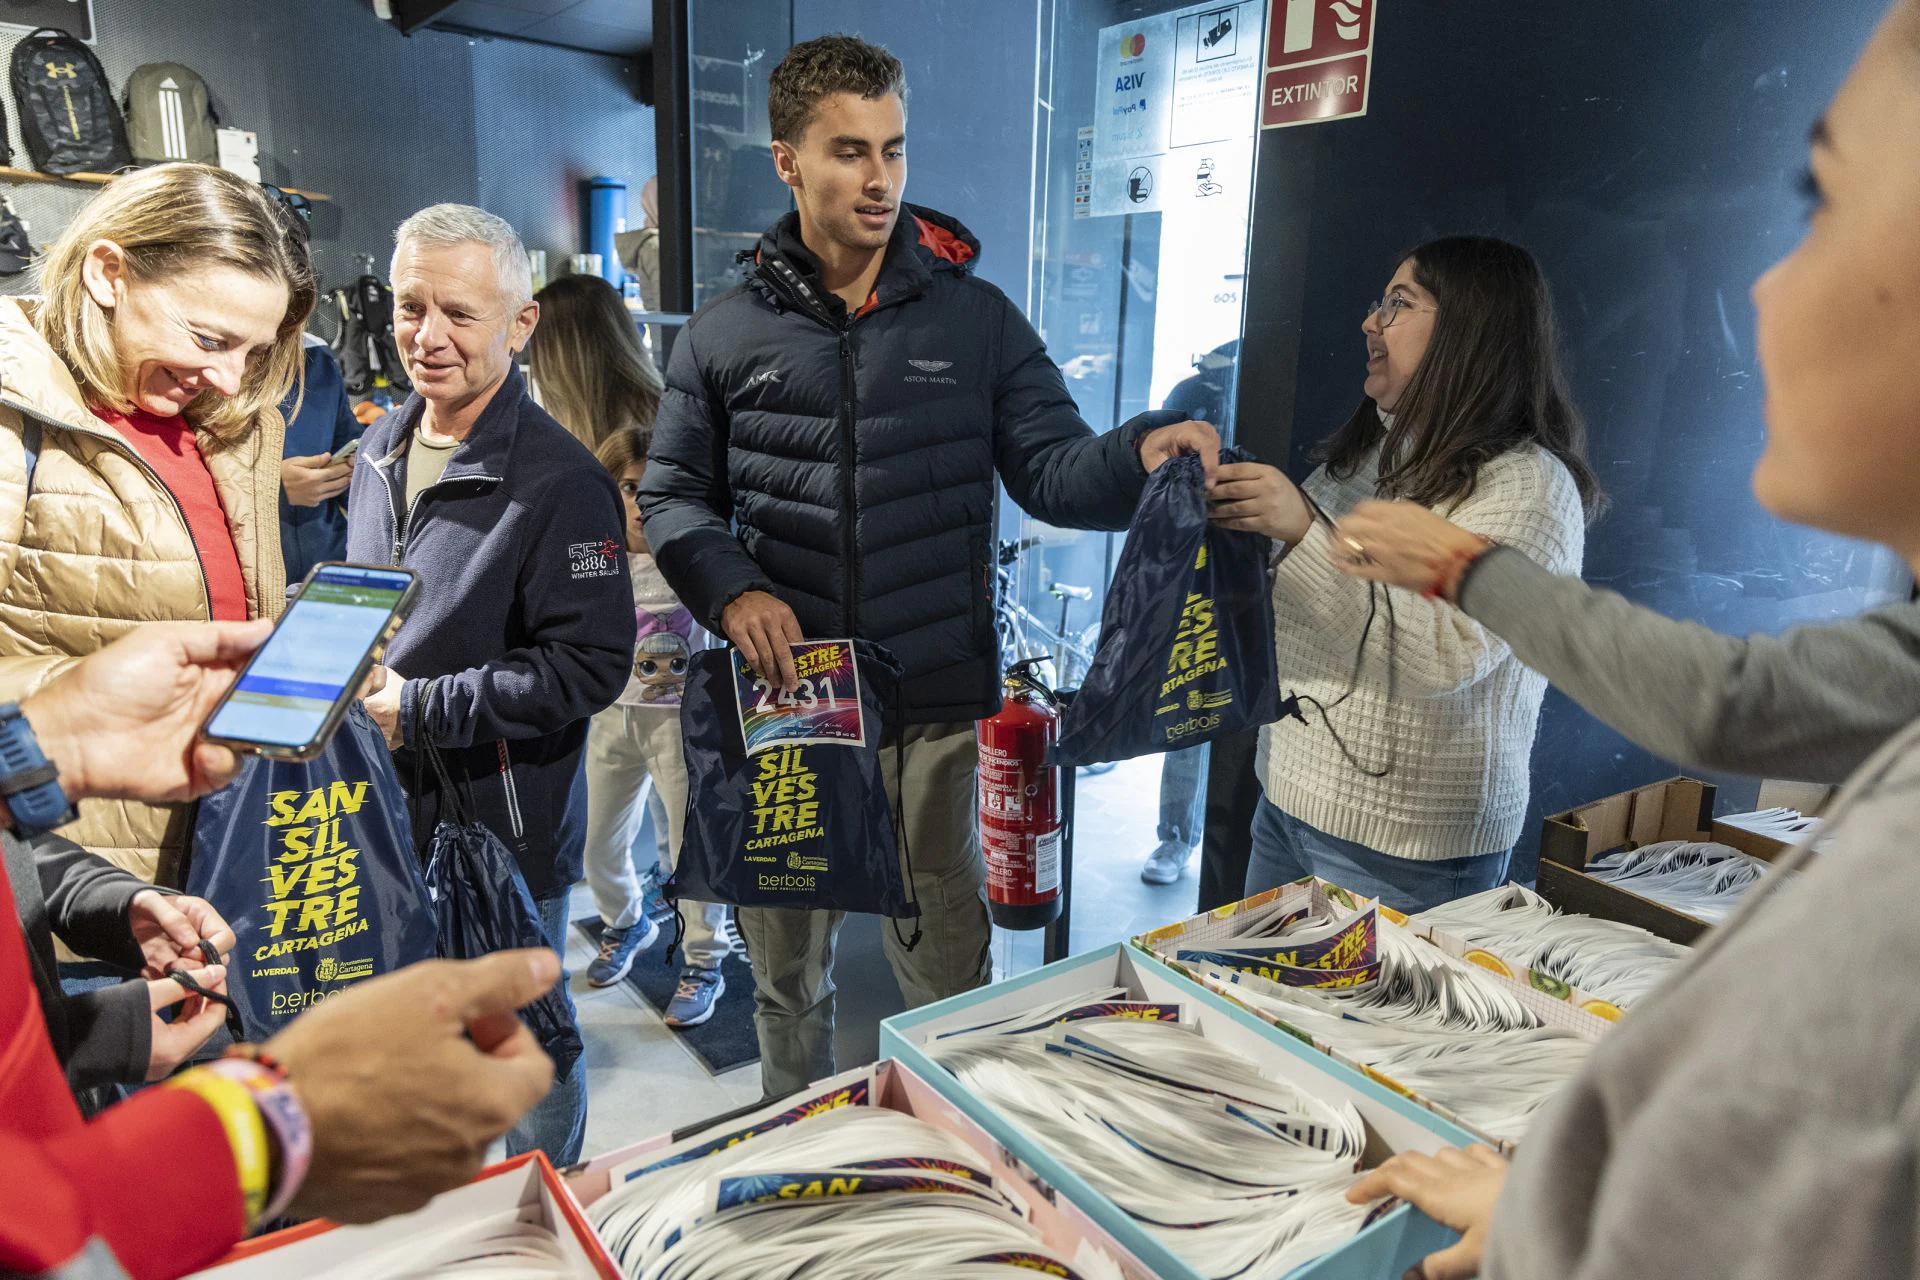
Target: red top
<point>71,1185</point>
<point>167,445</point>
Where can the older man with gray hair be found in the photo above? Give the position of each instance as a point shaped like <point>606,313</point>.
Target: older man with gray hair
<point>524,625</point>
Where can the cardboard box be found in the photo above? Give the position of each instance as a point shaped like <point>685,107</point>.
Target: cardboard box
<point>1676,809</point>
<point>1068,1230</point>
<point>1809,798</point>
<point>1383,1251</point>
<point>1554,1002</point>
<point>527,1182</point>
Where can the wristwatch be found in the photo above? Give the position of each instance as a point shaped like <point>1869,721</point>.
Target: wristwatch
<point>29,782</point>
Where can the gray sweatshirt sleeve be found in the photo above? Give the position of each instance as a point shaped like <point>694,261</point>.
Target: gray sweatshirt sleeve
<point>1810,704</point>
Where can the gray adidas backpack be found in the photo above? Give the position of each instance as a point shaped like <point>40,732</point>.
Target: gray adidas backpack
<point>169,116</point>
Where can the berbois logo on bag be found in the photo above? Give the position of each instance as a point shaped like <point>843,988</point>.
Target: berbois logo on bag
<point>594,559</point>
<point>931,368</point>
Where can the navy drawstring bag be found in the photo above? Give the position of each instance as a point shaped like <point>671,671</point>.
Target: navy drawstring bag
<point>481,905</point>
<point>312,863</point>
<point>790,825</point>
<point>1186,639</point>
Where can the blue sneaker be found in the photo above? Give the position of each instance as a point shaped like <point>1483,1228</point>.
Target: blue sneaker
<point>693,1002</point>
<point>618,947</point>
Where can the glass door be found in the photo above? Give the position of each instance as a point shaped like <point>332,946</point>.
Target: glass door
<point>1144,197</point>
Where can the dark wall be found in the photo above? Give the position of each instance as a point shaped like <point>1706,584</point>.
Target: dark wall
<point>385,124</point>
<point>1645,152</point>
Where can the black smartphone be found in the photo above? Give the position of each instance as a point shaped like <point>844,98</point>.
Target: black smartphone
<point>294,692</point>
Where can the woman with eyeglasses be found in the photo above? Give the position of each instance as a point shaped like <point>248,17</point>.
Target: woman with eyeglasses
<point>1407,779</point>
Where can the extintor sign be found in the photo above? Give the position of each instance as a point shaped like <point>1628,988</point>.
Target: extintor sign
<point>1319,61</point>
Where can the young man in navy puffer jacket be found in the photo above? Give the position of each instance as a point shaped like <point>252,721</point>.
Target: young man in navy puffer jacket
<point>824,465</point>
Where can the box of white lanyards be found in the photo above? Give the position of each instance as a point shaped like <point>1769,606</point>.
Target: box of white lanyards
<point>517,1208</point>
<point>1391,1242</point>
<point>1069,1235</point>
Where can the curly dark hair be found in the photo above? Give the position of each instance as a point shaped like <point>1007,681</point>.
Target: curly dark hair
<point>816,69</point>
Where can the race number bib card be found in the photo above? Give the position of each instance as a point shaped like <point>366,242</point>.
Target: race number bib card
<point>824,709</point>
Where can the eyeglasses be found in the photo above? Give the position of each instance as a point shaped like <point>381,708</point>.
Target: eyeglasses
<point>1390,309</point>
<point>293,201</point>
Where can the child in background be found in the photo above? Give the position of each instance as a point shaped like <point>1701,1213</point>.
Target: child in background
<point>634,740</point>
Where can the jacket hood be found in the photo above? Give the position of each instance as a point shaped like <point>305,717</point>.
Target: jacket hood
<point>924,241</point>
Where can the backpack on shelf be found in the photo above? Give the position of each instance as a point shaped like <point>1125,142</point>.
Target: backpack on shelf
<point>170,115</point>
<point>366,346</point>
<point>68,117</point>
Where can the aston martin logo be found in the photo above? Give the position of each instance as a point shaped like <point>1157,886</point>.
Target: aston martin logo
<point>931,366</point>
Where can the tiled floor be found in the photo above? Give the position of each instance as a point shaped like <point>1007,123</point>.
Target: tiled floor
<point>642,1081</point>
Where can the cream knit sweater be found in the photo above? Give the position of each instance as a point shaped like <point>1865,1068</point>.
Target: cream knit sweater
<point>1459,730</point>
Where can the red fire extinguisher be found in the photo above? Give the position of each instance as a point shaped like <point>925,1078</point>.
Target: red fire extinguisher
<point>1020,803</point>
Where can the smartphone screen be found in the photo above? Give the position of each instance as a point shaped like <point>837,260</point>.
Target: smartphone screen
<point>315,658</point>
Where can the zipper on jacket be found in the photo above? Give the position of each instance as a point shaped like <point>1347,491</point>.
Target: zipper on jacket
<point>789,282</point>
<point>849,473</point>
<point>513,794</point>
<point>402,525</point>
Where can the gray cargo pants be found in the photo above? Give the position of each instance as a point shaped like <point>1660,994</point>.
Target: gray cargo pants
<point>792,950</point>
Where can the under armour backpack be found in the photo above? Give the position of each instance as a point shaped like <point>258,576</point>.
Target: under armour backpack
<point>68,117</point>
<point>170,116</point>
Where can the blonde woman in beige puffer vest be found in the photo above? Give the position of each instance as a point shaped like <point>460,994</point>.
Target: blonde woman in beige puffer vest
<point>177,294</point>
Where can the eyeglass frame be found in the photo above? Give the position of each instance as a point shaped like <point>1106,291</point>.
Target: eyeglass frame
<point>1393,304</point>
<point>292,201</point>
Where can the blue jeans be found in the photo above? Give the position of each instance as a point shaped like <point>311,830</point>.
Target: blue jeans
<point>557,1124</point>
<point>1183,796</point>
<point>1286,849</point>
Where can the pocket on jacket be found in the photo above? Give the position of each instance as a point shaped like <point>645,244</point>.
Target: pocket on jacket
<point>515,822</point>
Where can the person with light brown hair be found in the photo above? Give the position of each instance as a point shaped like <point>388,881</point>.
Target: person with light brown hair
<point>140,438</point>
<point>140,446</point>
<point>589,370</point>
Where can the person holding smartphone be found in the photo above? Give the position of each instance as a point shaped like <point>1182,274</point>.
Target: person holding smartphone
<point>322,436</point>
<point>140,440</point>
<point>400,1083</point>
<point>140,449</point>
<point>318,453</point>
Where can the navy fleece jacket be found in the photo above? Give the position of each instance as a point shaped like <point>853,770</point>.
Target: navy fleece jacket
<point>524,625</point>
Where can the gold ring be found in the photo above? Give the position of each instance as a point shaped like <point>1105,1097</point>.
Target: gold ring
<point>1358,550</point>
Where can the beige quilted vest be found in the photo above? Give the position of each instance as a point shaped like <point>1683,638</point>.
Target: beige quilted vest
<point>100,546</point>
